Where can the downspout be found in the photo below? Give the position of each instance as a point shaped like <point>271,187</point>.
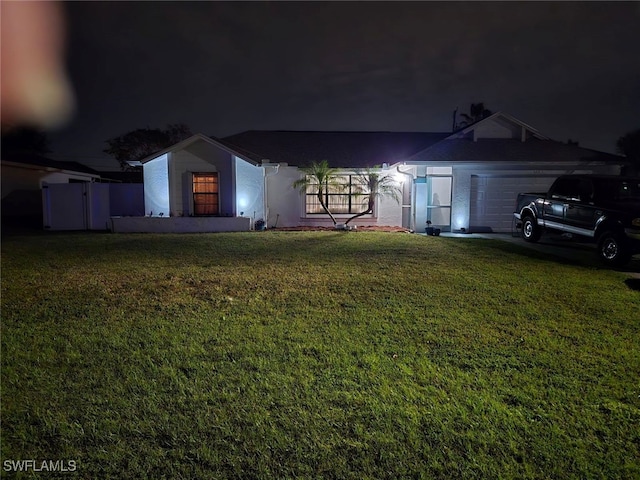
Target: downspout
<point>412,218</point>
<point>265,198</point>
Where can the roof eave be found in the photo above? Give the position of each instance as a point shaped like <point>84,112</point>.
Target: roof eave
<point>185,143</point>
<point>47,168</point>
<point>471,127</point>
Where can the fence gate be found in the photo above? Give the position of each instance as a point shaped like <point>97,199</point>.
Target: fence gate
<point>75,206</point>
<point>64,206</point>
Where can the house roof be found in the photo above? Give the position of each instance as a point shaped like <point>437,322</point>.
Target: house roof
<point>509,150</point>
<point>128,176</point>
<point>498,116</point>
<point>40,161</point>
<point>368,149</point>
<point>340,149</point>
<point>365,149</point>
<point>198,137</point>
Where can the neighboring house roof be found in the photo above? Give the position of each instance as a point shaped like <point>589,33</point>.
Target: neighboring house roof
<point>340,149</point>
<point>128,176</point>
<point>509,150</point>
<point>40,161</point>
<point>198,137</point>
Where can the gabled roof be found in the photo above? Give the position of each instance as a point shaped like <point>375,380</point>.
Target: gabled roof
<point>188,141</point>
<point>368,149</point>
<point>48,163</point>
<point>492,118</point>
<point>340,149</point>
<point>509,150</point>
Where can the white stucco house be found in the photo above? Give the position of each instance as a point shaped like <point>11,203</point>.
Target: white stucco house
<point>462,181</point>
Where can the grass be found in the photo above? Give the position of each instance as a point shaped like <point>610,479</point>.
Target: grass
<point>315,355</point>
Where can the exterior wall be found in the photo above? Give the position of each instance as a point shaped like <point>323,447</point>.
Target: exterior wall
<point>389,212</point>
<point>200,158</point>
<point>284,203</point>
<point>460,198</point>
<point>497,129</point>
<point>287,205</point>
<point>156,186</point>
<point>179,224</point>
<point>462,174</point>
<point>249,190</point>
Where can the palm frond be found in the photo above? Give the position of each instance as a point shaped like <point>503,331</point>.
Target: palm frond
<point>375,185</point>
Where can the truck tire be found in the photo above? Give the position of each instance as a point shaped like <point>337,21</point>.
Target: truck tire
<point>530,230</point>
<point>613,249</point>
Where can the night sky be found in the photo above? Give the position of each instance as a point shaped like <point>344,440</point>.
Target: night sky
<point>571,70</point>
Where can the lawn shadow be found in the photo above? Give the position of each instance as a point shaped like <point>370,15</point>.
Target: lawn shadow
<point>563,252</point>
<point>633,283</point>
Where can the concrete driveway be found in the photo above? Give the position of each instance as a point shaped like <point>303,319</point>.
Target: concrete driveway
<point>557,247</point>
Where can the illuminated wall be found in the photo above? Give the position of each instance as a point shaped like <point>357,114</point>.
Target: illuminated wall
<point>285,204</point>
<point>201,157</point>
<point>156,186</point>
<point>389,211</point>
<point>249,190</point>
<point>460,202</point>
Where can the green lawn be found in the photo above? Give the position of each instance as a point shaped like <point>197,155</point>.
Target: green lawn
<point>315,355</point>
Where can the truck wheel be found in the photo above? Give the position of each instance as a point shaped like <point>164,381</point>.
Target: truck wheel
<point>530,230</point>
<point>613,249</point>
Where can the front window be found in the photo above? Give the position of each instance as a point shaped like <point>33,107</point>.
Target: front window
<point>341,194</point>
<point>205,194</point>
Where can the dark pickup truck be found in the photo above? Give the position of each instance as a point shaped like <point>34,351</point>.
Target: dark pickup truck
<point>605,209</point>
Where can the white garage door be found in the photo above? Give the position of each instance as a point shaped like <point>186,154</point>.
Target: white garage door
<point>494,198</point>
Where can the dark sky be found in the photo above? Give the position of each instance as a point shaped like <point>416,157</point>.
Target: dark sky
<point>571,70</point>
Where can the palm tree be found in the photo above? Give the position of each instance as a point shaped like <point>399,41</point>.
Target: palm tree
<point>477,112</point>
<point>375,185</point>
<point>320,176</point>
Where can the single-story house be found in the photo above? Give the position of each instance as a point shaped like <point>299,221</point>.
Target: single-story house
<point>24,175</point>
<point>467,180</point>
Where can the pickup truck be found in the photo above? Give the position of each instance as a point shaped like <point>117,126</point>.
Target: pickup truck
<point>602,208</point>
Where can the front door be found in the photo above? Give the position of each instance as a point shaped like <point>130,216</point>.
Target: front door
<point>439,202</point>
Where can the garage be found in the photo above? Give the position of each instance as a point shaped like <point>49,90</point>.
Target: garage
<point>493,199</point>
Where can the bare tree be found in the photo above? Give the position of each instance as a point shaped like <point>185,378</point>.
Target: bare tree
<point>141,143</point>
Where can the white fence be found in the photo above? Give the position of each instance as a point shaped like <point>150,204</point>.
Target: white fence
<point>89,206</point>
